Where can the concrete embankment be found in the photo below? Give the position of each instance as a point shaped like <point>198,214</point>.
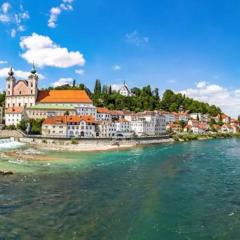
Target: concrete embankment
<point>91,144</point>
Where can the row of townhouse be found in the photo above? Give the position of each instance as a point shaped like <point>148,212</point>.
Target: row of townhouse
<point>69,126</point>
<point>172,117</point>
<point>134,124</point>
<point>202,127</point>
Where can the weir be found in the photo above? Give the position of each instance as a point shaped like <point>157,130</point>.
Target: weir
<point>6,143</point>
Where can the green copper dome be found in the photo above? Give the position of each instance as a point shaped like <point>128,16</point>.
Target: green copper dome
<point>11,73</point>
<point>33,71</point>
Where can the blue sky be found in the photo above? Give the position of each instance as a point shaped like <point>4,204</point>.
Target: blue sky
<point>188,46</point>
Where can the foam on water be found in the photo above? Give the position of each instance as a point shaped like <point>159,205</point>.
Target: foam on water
<point>9,143</point>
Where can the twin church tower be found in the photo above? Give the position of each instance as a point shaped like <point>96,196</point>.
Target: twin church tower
<point>21,93</point>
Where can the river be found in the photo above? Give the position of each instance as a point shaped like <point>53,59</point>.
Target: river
<point>172,191</point>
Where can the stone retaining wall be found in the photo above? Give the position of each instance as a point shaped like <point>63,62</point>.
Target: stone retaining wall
<point>10,133</point>
<point>94,141</point>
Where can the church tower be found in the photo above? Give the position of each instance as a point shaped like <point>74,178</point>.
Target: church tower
<point>11,81</point>
<point>33,82</point>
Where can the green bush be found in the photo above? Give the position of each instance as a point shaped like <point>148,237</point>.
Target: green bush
<point>74,141</point>
<point>11,127</point>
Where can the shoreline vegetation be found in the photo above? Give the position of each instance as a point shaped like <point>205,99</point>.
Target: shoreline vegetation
<point>186,137</point>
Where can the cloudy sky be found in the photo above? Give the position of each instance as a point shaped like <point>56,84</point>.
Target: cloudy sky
<point>188,46</point>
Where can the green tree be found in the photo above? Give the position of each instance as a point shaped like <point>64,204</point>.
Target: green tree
<point>97,88</point>
<point>2,98</point>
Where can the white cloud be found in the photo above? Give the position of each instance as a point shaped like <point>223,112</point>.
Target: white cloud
<point>56,11</point>
<point>201,84</point>
<point>117,67</point>
<point>12,18</point>
<point>136,39</point>
<point>17,73</point>
<point>63,81</point>
<point>44,52</point>
<point>227,100</point>
<point>4,18</point>
<point>3,62</point>
<point>172,81</point>
<point>80,71</point>
<point>5,7</point>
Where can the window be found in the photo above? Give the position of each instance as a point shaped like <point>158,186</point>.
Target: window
<point>20,92</point>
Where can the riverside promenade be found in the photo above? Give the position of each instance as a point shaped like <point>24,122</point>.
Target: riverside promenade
<point>90,144</point>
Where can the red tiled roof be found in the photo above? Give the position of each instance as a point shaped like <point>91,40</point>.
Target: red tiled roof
<point>116,112</point>
<point>103,110</point>
<point>69,119</point>
<point>63,96</point>
<point>14,110</point>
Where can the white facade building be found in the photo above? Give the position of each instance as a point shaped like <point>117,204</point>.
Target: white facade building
<point>103,114</point>
<point>148,124</point>
<point>86,110</point>
<point>70,126</point>
<point>169,117</point>
<point>138,126</point>
<point>106,129</point>
<point>13,116</point>
<point>124,90</point>
<point>196,116</point>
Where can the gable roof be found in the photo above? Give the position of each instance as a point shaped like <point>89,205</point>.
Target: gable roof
<point>69,119</point>
<point>63,96</point>
<point>103,110</point>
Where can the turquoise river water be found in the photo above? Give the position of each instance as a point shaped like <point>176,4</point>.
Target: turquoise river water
<point>167,192</point>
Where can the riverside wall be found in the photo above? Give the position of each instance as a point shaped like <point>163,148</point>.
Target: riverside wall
<point>94,141</point>
<point>11,133</point>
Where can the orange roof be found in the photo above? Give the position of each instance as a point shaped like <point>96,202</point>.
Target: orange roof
<point>116,112</point>
<point>54,120</point>
<point>14,110</point>
<point>63,96</point>
<point>122,120</point>
<point>69,119</point>
<point>103,110</point>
